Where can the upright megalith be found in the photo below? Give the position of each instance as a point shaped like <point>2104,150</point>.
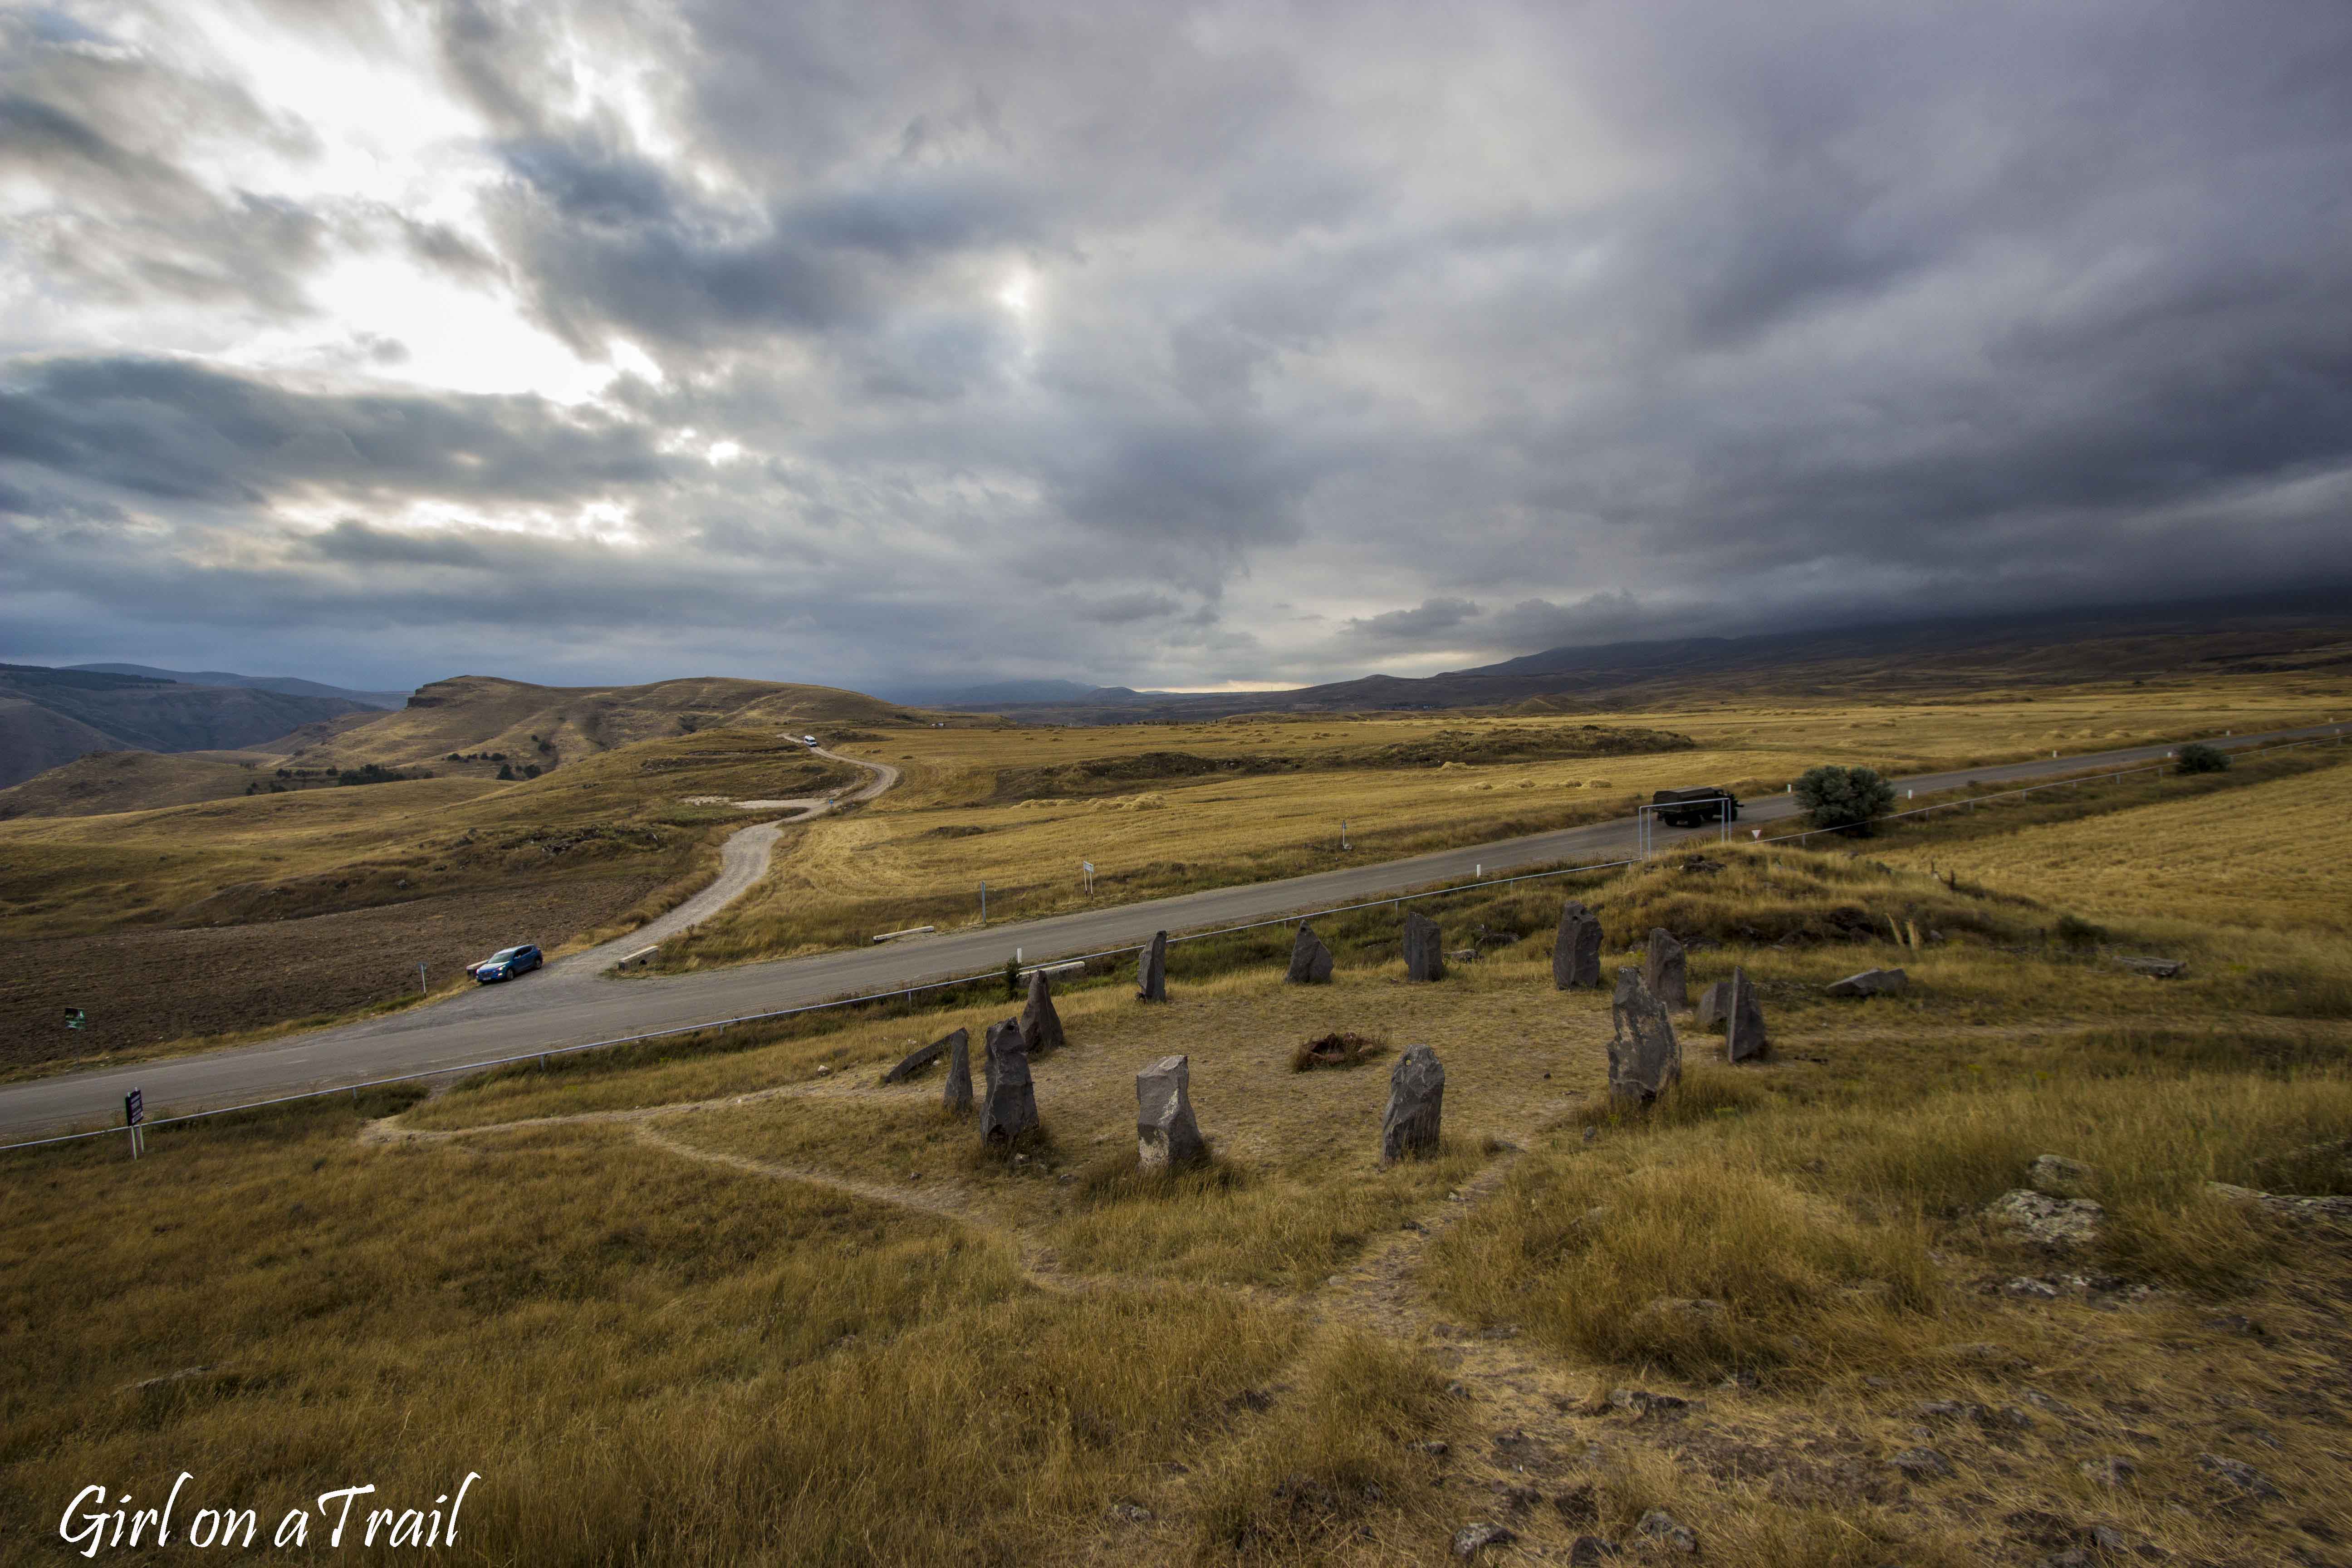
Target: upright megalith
<point>1008,1105</point>
<point>956,1093</point>
<point>1576,951</point>
<point>1151,969</point>
<point>1714,1006</point>
<point>1743,1021</point>
<point>1665,970</point>
<point>1416,1105</point>
<point>1041,1027</point>
<point>1425,948</point>
<point>918,1060</point>
<point>1165,1132</point>
<point>1310,961</point>
<point>1644,1058</point>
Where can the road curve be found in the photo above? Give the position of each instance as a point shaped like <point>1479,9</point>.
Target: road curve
<point>515,1019</point>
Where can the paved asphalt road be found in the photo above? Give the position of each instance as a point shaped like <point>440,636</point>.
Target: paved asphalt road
<point>515,1019</point>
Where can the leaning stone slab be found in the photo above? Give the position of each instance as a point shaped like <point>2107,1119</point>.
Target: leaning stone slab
<point>1008,1107</point>
<point>1714,1006</point>
<point>1165,1132</point>
<point>1151,969</point>
<point>1644,1058</point>
<point>1310,961</point>
<point>1665,970</point>
<point>956,1093</point>
<point>1425,950</point>
<point>1041,1027</point>
<point>1870,982</point>
<point>1576,949</point>
<point>1416,1105</point>
<point>1743,1021</point>
<point>921,1060</point>
<point>2059,1223</point>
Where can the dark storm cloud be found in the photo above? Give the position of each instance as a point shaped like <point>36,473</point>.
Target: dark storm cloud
<point>170,430</point>
<point>1166,345</point>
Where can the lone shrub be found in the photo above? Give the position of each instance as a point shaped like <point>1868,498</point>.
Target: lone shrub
<point>1844,798</point>
<point>2200,758</point>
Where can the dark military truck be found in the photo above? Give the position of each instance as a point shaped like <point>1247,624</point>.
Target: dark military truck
<point>1690,808</point>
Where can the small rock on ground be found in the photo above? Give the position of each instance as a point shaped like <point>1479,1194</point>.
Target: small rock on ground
<point>1473,1539</point>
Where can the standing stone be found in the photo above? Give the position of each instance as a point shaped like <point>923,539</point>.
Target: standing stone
<point>1714,1005</point>
<point>1743,1021</point>
<point>1416,1103</point>
<point>923,1058</point>
<point>1310,961</point>
<point>1644,1058</point>
<point>1165,1132</point>
<point>956,1093</point>
<point>1424,950</point>
<point>1666,971</point>
<point>1870,982</point>
<point>1151,971</point>
<point>1041,1027</point>
<point>1576,951</point>
<point>1009,1107</point>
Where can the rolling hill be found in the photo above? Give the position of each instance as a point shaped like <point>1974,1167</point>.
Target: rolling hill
<point>287,685</point>
<point>52,716</point>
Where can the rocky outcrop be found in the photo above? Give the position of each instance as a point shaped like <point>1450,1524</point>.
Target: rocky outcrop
<point>2057,1224</point>
<point>1644,1058</point>
<point>1576,949</point>
<point>1416,1105</point>
<point>918,1061</point>
<point>1151,969</point>
<point>1665,969</point>
<point>1870,982</point>
<point>1744,1039</point>
<point>1310,961</point>
<point>1008,1105</point>
<point>1425,950</point>
<point>1165,1133</point>
<point>1041,1027</point>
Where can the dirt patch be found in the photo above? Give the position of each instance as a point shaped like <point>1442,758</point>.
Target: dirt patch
<point>1341,1050</point>
<point>139,987</point>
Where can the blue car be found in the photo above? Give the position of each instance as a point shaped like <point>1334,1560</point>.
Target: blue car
<point>508,963</point>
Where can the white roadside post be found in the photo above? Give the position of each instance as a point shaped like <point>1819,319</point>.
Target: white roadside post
<point>421,989</point>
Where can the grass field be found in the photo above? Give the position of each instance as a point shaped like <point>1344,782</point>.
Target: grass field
<point>739,1302</point>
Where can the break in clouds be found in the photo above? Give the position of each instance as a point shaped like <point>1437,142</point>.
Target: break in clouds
<point>924,344</point>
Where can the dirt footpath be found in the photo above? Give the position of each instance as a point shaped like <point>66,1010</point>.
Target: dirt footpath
<point>139,988</point>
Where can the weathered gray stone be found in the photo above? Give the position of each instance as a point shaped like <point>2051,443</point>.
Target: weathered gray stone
<point>1425,949</point>
<point>921,1060</point>
<point>1008,1105</point>
<point>1870,982</point>
<point>2055,1175</point>
<point>1472,1539</point>
<point>1665,970</point>
<point>1041,1027</point>
<point>1743,1021</point>
<point>1714,1006</point>
<point>2155,968</point>
<point>1417,1104</point>
<point>1151,969</point>
<point>1576,949</point>
<point>2238,1476</point>
<point>1644,1058</point>
<point>1922,1464</point>
<point>2333,1210</point>
<point>956,1093</point>
<point>1310,961</point>
<point>1663,1527</point>
<point>2060,1225</point>
<point>1165,1132</point>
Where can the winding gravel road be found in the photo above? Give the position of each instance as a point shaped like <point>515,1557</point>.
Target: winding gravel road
<point>531,1015</point>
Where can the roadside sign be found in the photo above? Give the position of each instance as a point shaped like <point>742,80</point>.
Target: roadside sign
<point>74,1018</point>
<point>134,1108</point>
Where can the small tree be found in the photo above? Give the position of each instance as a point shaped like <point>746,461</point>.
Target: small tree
<point>2197,757</point>
<point>1012,979</point>
<point>505,771</point>
<point>1846,798</point>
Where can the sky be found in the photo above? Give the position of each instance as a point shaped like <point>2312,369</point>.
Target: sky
<point>918,344</point>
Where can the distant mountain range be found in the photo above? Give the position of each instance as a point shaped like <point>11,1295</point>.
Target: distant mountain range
<point>2305,631</point>
<point>52,716</point>
<point>287,685</point>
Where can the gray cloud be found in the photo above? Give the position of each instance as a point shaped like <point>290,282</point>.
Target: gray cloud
<point>1150,344</point>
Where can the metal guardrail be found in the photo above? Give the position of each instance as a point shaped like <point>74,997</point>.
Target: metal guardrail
<point>907,991</point>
